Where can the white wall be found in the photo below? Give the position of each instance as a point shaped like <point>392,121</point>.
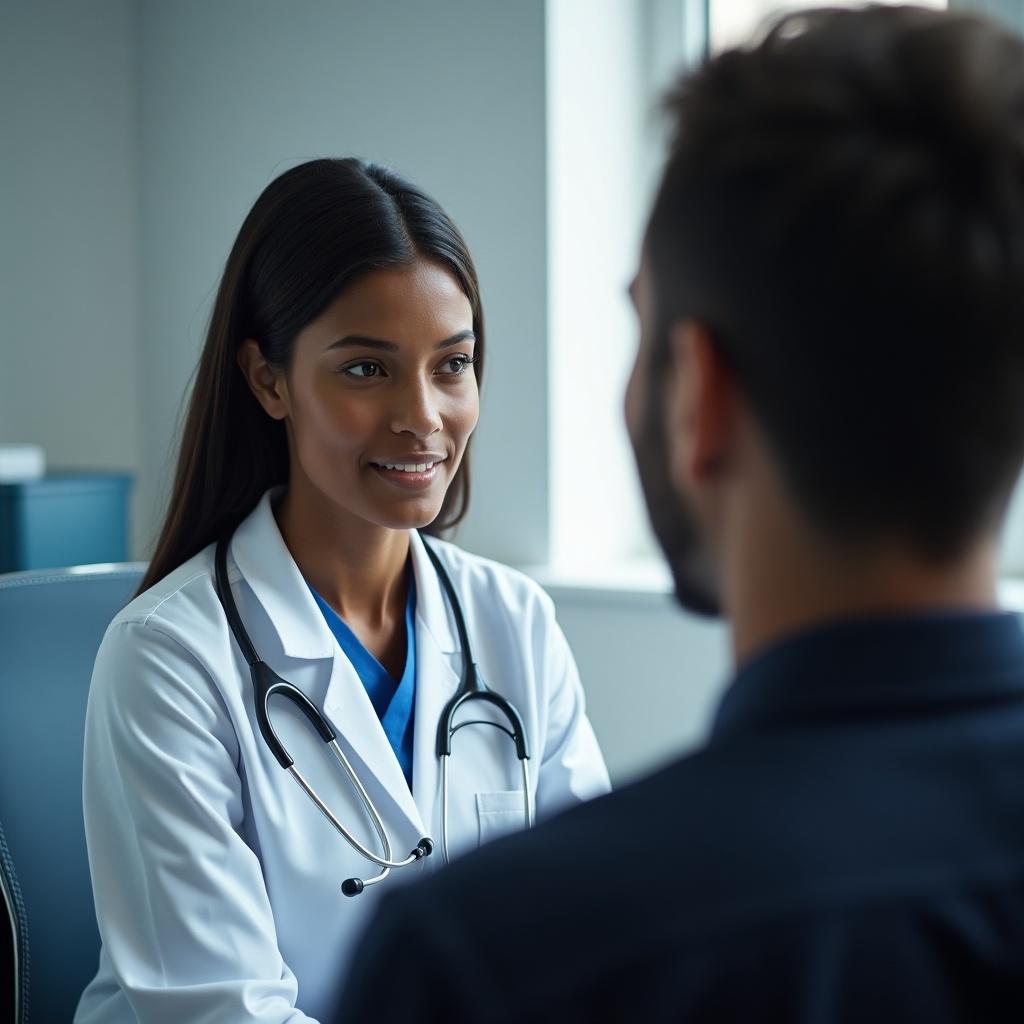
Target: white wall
<point>653,675</point>
<point>69,224</point>
<point>1010,11</point>
<point>134,136</point>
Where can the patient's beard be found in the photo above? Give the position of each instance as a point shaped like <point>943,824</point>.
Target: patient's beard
<point>673,522</point>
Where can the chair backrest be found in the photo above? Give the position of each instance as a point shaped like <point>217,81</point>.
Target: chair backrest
<point>51,625</point>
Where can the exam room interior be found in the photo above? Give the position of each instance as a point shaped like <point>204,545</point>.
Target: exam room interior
<point>134,135</point>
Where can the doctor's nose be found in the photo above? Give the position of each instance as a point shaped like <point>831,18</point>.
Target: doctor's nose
<point>416,413</point>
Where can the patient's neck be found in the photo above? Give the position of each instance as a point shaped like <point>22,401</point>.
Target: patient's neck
<point>791,582</point>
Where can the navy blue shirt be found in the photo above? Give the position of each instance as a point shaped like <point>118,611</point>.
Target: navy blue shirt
<point>849,846</point>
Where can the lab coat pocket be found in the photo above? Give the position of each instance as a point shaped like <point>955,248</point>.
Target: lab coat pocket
<point>499,813</point>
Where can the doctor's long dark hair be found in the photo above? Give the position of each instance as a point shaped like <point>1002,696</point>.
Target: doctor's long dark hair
<point>312,232</point>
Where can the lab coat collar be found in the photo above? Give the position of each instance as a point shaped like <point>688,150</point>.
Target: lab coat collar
<point>266,564</point>
<point>432,608</point>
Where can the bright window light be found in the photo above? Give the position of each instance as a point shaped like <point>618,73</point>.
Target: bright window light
<point>607,61</point>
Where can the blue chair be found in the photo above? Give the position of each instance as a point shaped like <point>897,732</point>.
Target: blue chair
<point>51,624</point>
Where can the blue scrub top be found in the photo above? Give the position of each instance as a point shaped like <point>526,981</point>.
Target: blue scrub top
<point>392,700</point>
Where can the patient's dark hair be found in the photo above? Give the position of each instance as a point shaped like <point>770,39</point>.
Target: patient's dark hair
<point>843,206</point>
<point>312,232</point>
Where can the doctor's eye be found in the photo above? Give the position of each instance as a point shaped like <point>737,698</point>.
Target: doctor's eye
<point>364,370</point>
<point>456,366</point>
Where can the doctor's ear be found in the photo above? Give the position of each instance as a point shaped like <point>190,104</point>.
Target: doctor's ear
<point>700,406</point>
<point>266,383</point>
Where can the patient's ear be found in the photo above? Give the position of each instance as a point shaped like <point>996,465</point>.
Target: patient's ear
<point>268,384</point>
<point>700,405</point>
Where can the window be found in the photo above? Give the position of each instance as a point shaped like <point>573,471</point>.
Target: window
<point>608,62</point>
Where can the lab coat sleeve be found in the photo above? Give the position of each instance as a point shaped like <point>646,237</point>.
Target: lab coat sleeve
<point>180,899</point>
<point>571,767</point>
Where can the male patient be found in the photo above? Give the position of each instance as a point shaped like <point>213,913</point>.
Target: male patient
<point>828,414</point>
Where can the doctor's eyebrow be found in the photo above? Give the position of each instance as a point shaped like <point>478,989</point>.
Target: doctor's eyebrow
<point>360,341</point>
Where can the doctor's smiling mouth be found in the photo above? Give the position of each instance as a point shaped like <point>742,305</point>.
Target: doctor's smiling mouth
<point>413,471</point>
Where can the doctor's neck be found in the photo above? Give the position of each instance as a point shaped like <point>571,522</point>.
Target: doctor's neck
<point>357,566</point>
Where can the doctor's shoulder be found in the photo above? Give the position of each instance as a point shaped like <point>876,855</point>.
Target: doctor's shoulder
<point>521,649</point>
<point>495,591</point>
<point>172,636</point>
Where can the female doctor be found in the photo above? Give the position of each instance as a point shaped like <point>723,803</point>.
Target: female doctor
<point>323,451</point>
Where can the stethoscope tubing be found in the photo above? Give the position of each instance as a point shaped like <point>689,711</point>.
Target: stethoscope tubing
<point>384,862</point>
<point>267,683</point>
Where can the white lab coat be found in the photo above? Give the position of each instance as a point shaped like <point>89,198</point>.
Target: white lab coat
<point>216,880</point>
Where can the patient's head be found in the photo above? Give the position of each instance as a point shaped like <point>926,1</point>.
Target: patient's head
<point>834,271</point>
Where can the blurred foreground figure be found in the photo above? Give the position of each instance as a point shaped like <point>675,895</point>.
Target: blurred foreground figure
<point>827,409</point>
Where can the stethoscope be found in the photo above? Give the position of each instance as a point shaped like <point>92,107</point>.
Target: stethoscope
<point>266,683</point>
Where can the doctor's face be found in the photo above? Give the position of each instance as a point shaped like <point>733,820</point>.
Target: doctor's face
<point>382,396</point>
<point>673,516</point>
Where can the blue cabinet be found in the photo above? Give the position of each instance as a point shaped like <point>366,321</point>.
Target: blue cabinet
<point>64,519</point>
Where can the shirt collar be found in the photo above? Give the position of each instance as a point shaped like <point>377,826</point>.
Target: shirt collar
<point>878,667</point>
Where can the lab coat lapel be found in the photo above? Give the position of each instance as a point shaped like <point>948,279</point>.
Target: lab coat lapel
<point>292,615</point>
<point>437,679</point>
<point>347,706</point>
<point>437,660</point>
